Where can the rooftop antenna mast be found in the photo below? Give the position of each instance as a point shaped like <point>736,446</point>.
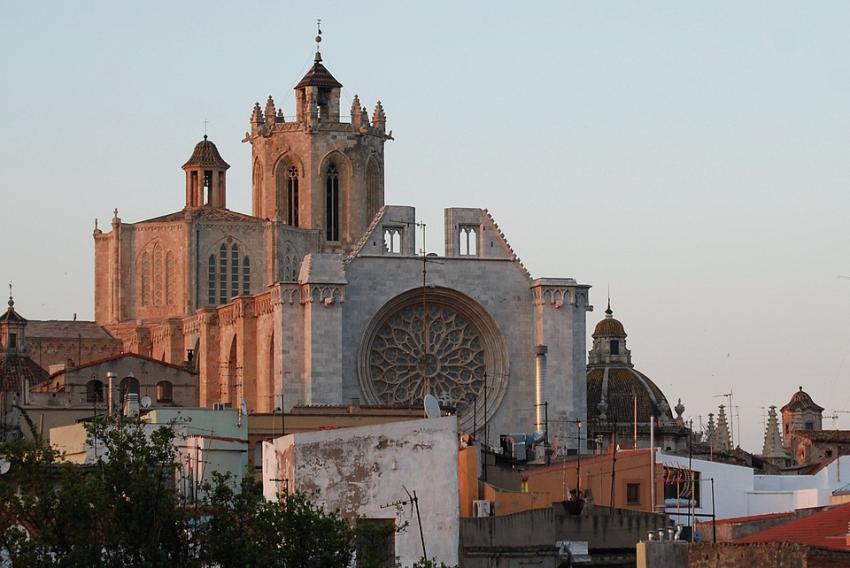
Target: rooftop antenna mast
<point>413,501</point>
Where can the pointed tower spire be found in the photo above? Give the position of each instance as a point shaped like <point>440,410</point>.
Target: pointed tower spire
<point>379,117</point>
<point>710,429</point>
<point>356,115</point>
<point>722,438</point>
<point>270,110</point>
<point>257,115</point>
<point>772,438</point>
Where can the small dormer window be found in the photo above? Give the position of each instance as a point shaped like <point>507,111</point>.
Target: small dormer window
<point>615,347</point>
<point>13,341</point>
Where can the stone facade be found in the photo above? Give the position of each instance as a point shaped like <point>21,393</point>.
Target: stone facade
<point>318,297</point>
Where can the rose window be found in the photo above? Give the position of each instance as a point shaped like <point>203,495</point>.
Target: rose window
<point>445,346</point>
<point>412,356</point>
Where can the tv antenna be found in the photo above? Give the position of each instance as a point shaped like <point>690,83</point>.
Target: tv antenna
<point>413,501</point>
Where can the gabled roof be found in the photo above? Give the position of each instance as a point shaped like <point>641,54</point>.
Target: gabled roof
<point>64,329</point>
<point>96,362</point>
<point>827,529</point>
<point>206,213</point>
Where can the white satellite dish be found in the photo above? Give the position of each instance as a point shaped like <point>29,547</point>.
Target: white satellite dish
<point>432,406</point>
<point>146,401</point>
<point>5,465</point>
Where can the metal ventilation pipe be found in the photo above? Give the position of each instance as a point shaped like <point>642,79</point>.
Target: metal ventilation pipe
<point>539,384</point>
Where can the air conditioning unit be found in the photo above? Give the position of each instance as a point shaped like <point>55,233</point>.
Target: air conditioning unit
<point>482,508</point>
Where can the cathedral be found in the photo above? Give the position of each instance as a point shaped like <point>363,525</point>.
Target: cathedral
<point>322,295</point>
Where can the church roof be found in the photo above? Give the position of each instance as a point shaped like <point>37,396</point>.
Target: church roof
<point>206,155</point>
<point>63,329</point>
<point>319,76</point>
<point>801,401</point>
<point>10,314</point>
<point>14,369</point>
<point>608,326</point>
<point>206,213</point>
<point>620,384</point>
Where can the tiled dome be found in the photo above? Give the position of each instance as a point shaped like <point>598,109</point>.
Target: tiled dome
<point>206,155</point>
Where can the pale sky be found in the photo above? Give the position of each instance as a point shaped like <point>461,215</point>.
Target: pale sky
<point>692,157</point>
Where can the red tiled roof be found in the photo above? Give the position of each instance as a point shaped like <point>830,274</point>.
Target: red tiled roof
<point>751,518</point>
<point>18,370</point>
<point>827,529</point>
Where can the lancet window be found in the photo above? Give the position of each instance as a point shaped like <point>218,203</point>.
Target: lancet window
<point>228,272</point>
<point>332,204</point>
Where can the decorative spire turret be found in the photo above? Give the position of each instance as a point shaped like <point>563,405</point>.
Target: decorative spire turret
<point>772,447</point>
<point>270,110</point>
<point>257,115</point>
<point>722,438</point>
<point>356,116</point>
<point>205,175</point>
<point>379,117</point>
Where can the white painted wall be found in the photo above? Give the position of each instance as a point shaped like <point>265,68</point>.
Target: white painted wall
<point>357,470</point>
<point>739,492</point>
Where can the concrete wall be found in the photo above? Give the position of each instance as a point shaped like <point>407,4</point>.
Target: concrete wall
<point>358,470</point>
<point>531,535</point>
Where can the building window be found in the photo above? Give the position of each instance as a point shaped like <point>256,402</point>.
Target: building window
<point>292,196</point>
<point>94,391</point>
<point>234,270</point>
<point>13,341</point>
<point>810,425</point>
<point>147,295</point>
<point>615,347</point>
<point>392,240</point>
<point>633,493</point>
<point>468,241</point>
<point>681,486</point>
<point>164,391</point>
<point>375,545</point>
<point>129,385</point>
<point>157,275</point>
<point>246,276</point>
<point>787,428</point>
<point>332,204</point>
<point>222,274</point>
<point>211,281</point>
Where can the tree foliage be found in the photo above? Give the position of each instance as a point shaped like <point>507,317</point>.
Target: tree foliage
<point>125,511</point>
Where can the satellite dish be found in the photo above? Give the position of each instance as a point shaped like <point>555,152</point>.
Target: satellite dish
<point>5,465</point>
<point>432,406</point>
<point>146,401</point>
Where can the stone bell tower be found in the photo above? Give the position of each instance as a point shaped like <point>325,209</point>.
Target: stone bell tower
<point>315,170</point>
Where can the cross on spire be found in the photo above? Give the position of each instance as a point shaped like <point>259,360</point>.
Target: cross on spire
<point>205,128</point>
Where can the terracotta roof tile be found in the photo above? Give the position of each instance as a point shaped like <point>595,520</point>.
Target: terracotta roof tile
<point>319,76</point>
<point>206,155</point>
<point>827,529</point>
<point>15,368</point>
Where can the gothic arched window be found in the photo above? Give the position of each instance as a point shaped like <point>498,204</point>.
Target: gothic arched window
<point>157,275</point>
<point>222,274</point>
<point>211,281</point>
<point>292,196</point>
<point>146,279</point>
<point>246,276</point>
<point>170,279</point>
<point>332,204</point>
<point>234,270</point>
